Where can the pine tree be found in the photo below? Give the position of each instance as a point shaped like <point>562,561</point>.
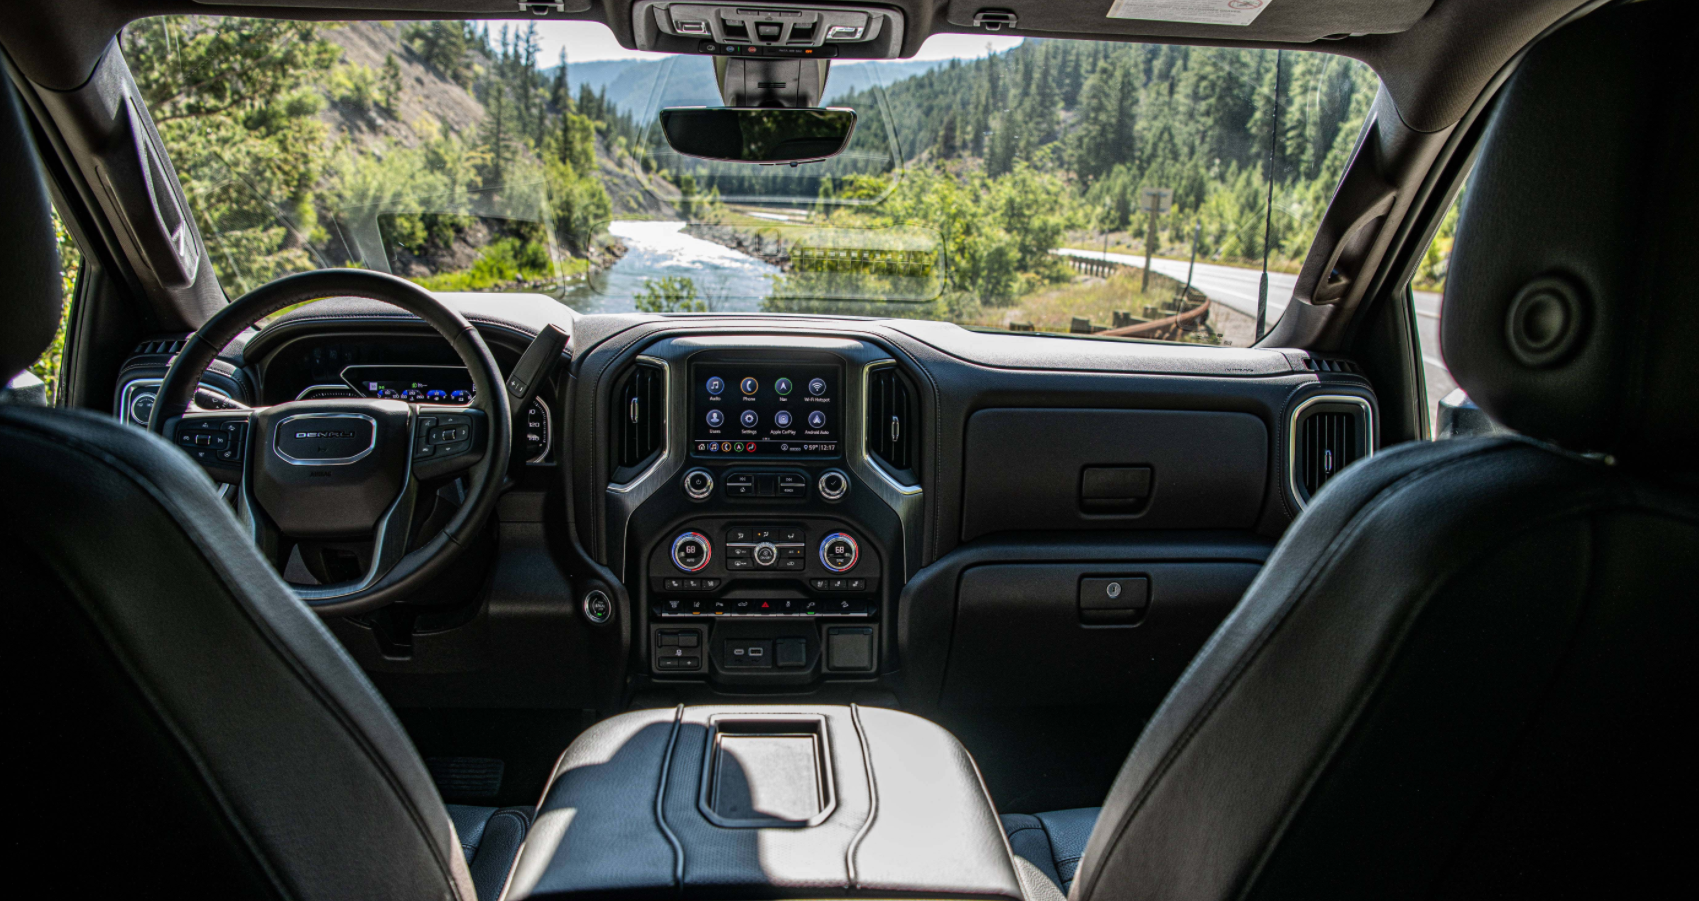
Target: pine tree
<point>561,96</point>
<point>947,138</point>
<point>498,134</point>
<point>389,87</point>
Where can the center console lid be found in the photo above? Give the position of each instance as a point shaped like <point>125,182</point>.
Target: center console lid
<point>766,802</point>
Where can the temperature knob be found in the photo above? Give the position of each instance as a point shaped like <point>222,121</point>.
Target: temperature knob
<point>692,551</point>
<point>838,552</point>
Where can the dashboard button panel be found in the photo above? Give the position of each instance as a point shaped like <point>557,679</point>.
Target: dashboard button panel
<point>763,569</point>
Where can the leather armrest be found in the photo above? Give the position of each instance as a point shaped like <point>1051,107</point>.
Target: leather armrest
<point>775,802</point>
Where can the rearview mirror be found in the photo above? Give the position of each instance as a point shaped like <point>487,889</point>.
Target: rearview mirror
<point>749,135</point>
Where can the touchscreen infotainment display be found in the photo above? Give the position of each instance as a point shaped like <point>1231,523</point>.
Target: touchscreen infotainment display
<point>784,409</point>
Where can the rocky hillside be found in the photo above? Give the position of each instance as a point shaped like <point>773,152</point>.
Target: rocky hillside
<point>430,103</point>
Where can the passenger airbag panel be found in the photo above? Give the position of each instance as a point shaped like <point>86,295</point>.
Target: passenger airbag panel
<point>1045,469</point>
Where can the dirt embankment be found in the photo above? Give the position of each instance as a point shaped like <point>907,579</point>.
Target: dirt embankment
<point>767,248</point>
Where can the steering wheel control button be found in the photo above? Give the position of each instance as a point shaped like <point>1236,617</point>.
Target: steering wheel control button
<point>598,607</point>
<point>442,435</point>
<point>834,484</point>
<point>838,553</point>
<point>698,484</point>
<point>692,551</point>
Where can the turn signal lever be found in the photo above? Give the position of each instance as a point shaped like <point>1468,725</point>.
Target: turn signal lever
<point>534,365</point>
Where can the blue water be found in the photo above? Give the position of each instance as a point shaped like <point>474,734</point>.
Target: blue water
<point>729,280</point>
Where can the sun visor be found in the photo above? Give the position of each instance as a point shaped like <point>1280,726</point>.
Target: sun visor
<point>1294,21</point>
<point>448,9</point>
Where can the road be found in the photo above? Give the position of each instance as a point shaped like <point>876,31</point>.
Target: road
<point>1236,289</point>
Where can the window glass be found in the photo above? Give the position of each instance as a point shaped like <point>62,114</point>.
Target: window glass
<point>70,266</point>
<point>1427,288</point>
<point>1014,186</point>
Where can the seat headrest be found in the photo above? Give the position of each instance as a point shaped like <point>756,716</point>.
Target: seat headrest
<point>30,299</point>
<point>1571,309</point>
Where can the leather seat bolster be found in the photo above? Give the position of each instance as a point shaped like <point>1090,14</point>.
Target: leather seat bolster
<point>1336,733</point>
<point>279,727</point>
<point>490,838</point>
<point>1053,842</point>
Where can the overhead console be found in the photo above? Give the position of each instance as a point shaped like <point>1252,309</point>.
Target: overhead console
<point>768,30</point>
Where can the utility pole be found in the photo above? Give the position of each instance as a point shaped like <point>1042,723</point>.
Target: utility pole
<point>1197,229</point>
<point>1154,201</point>
<point>1149,241</point>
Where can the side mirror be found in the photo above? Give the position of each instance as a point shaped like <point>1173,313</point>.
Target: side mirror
<point>750,135</point>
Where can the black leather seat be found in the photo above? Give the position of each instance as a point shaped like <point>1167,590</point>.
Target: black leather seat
<point>1467,669</point>
<point>182,724</point>
<point>1053,842</point>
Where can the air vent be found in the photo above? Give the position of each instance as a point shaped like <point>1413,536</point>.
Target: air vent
<point>166,347</point>
<point>892,421</point>
<point>1331,364</point>
<point>1328,434</point>
<point>639,419</point>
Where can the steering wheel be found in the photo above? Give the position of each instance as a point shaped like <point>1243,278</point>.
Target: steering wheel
<point>346,468</point>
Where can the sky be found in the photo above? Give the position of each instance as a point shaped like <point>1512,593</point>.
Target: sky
<point>590,41</point>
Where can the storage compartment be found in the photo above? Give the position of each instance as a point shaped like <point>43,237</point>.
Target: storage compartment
<point>1084,634</point>
<point>767,772</point>
<point>765,802</point>
<point>1043,469</point>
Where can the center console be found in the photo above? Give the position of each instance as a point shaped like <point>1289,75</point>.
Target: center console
<point>766,802</point>
<point>764,543</point>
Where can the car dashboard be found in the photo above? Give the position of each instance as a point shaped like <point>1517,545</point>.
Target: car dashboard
<point>834,509</point>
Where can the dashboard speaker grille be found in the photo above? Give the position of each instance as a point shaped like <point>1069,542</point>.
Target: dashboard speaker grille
<point>890,421</point>
<point>639,416</point>
<point>1329,437</point>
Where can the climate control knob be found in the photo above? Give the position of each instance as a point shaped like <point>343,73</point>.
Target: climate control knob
<point>766,554</point>
<point>838,552</point>
<point>692,551</point>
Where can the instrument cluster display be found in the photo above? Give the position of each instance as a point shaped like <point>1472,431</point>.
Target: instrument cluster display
<point>446,385</point>
<point>776,409</point>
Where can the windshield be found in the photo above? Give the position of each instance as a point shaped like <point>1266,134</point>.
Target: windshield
<point>1098,188</point>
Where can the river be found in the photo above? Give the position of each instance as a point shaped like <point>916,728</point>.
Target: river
<point>731,281</point>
